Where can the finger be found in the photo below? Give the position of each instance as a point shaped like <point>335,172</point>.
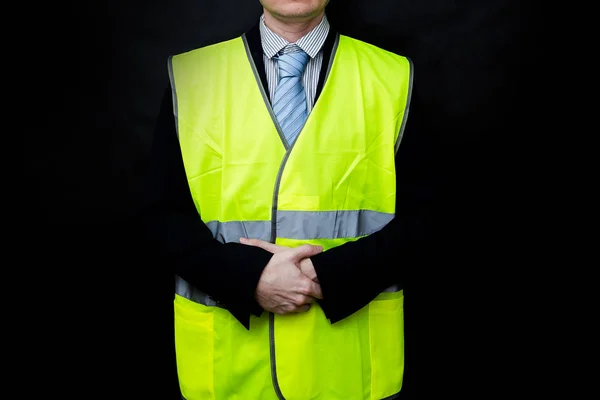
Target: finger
<point>302,299</point>
<point>309,275</point>
<point>301,309</point>
<point>307,269</point>
<point>270,247</point>
<point>305,251</point>
<point>315,290</point>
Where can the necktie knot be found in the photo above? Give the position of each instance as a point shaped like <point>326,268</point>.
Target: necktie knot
<point>292,62</point>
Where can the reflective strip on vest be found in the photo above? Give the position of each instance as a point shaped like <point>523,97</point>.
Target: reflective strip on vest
<point>304,225</point>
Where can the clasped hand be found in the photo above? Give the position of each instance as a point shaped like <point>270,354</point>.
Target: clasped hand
<point>289,282</point>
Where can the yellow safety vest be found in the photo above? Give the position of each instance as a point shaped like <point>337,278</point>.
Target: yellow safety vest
<point>336,184</point>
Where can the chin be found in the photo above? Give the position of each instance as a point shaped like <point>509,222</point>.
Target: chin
<point>297,9</point>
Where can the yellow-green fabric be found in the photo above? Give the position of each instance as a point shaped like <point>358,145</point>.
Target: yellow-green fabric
<point>341,168</point>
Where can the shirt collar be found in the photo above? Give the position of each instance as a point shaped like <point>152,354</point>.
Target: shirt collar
<point>311,43</point>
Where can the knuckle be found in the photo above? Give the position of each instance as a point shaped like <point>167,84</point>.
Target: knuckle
<point>300,300</point>
<point>281,309</point>
<point>310,286</point>
<point>292,309</point>
<point>305,288</point>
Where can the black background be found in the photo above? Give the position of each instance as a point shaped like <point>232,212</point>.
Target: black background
<point>102,70</point>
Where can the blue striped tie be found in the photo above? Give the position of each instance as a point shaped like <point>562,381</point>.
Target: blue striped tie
<point>289,100</point>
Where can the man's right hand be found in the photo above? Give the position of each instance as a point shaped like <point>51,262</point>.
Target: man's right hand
<point>282,287</point>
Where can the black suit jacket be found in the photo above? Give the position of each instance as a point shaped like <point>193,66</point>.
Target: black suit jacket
<point>350,275</point>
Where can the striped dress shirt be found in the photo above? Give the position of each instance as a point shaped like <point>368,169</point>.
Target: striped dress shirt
<point>311,43</point>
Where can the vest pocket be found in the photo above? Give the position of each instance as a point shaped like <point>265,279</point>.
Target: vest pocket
<point>194,349</point>
<point>217,357</point>
<point>386,340</point>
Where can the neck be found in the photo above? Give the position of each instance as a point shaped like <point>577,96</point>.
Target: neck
<point>291,30</point>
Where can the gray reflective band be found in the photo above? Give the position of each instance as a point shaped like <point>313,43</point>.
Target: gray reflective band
<point>304,225</point>
<point>174,93</point>
<point>330,224</point>
<point>393,288</point>
<point>186,290</point>
<point>226,232</point>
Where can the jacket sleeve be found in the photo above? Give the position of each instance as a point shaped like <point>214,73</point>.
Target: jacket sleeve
<point>353,274</point>
<point>228,272</point>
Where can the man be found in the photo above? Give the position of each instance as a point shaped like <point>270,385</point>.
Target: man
<point>290,211</point>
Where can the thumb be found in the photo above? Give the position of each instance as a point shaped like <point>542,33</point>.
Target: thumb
<point>305,251</point>
<point>270,247</point>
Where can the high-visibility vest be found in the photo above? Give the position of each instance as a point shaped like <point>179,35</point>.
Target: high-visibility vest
<point>335,184</point>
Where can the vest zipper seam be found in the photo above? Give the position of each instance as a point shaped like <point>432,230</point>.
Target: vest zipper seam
<point>276,193</point>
